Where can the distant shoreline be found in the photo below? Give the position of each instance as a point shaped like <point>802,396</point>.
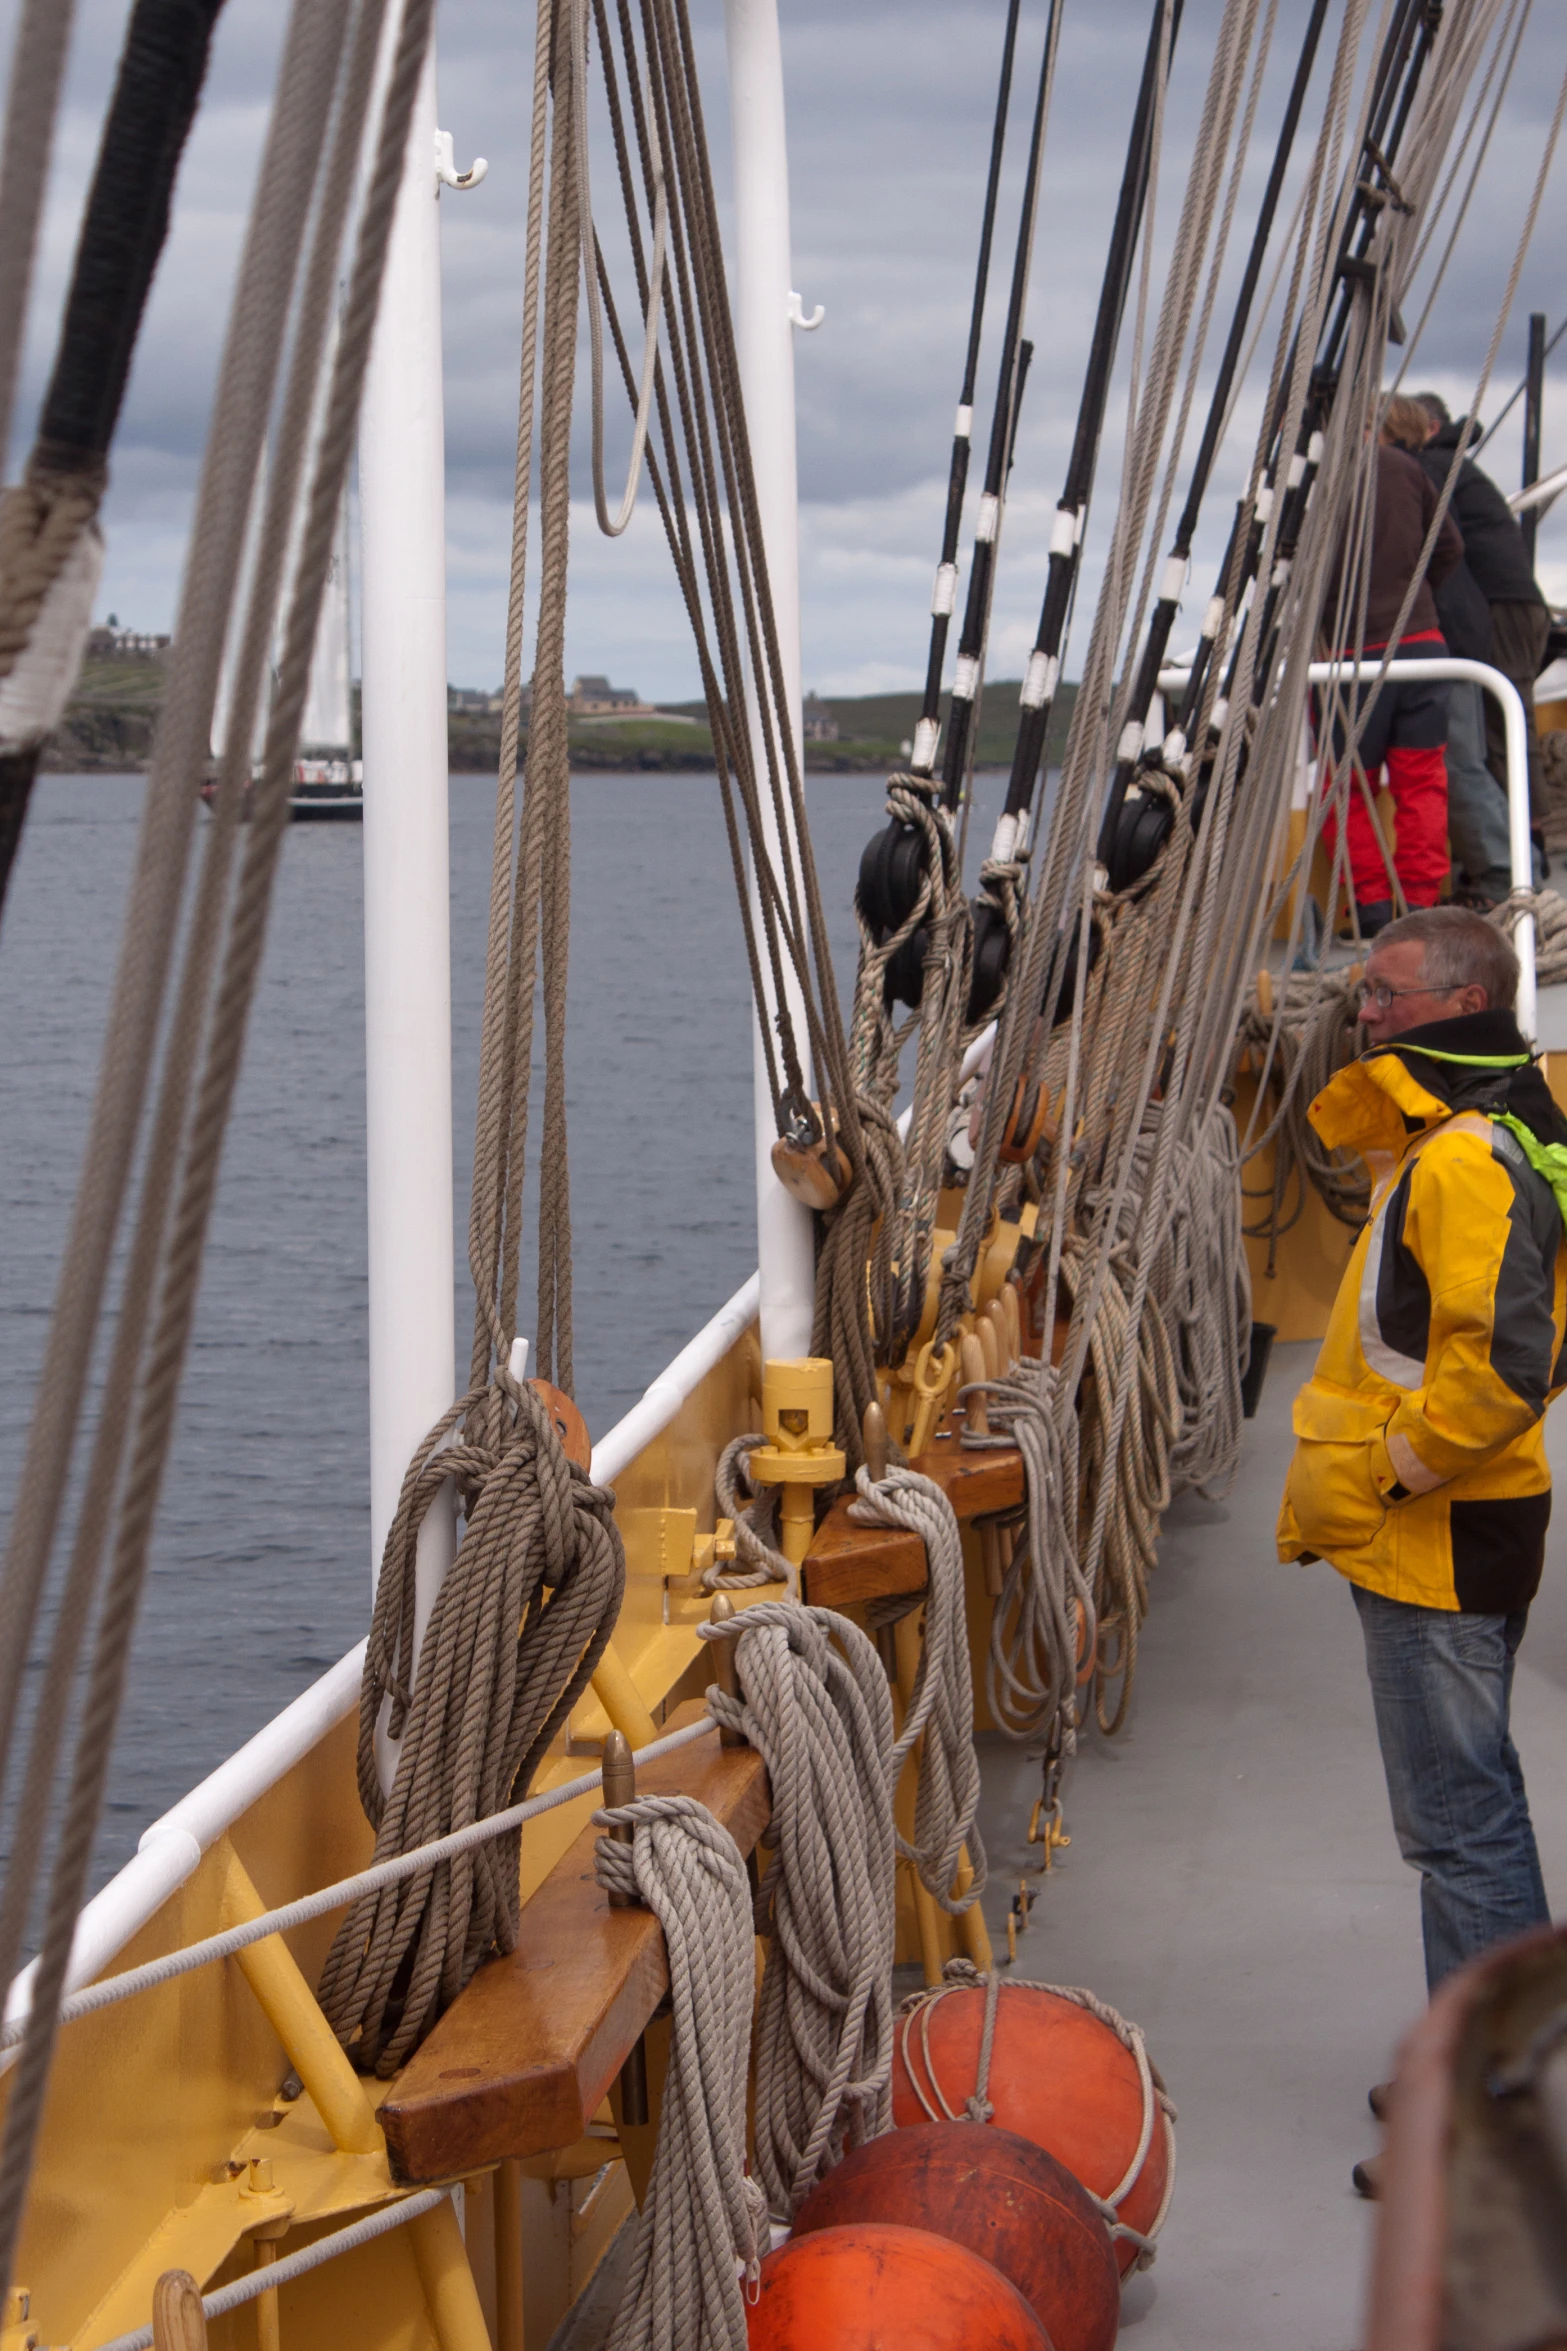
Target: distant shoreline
<point>110,720</point>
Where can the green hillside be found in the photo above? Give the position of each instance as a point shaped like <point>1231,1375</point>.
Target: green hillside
<point>108,726</point>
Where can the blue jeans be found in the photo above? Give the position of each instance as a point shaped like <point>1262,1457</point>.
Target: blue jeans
<point>1442,1683</point>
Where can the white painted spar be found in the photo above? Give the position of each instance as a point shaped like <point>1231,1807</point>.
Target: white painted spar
<point>408,1016</point>
<point>1516,731</point>
<point>785,1241</point>
<point>171,1848</point>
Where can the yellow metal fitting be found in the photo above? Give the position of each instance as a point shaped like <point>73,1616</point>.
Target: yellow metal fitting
<point>800,1454</point>
<point>935,1376</point>
<point>15,2332</point>
<point>1044,1828</point>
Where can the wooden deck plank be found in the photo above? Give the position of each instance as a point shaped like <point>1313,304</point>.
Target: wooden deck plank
<point>521,2061</point>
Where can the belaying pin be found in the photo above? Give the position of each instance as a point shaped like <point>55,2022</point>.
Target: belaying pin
<point>725,1677</point>
<point>620,1788</point>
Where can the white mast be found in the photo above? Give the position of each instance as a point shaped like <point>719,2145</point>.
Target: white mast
<point>408,1022</point>
<point>763,309</point>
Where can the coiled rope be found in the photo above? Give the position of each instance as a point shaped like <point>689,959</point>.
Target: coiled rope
<point>521,1620</point>
<point>702,2228</point>
<point>1158,2107</point>
<point>1314,1030</point>
<point>1549,910</point>
<point>754,1514</point>
<point>814,1703</point>
<point>526,1609</point>
<point>940,1717</point>
<point>1044,1621</point>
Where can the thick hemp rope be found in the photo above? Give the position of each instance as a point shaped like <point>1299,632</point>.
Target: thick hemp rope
<point>1043,1624</point>
<point>215,993</point>
<point>521,1620</point>
<point>940,1719</point>
<point>1158,2107</point>
<point>813,1701</point>
<point>755,1517</point>
<point>525,1612</point>
<point>702,2229</point>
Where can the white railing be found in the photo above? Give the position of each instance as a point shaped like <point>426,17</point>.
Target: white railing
<point>174,1844</point>
<point>1515,723</point>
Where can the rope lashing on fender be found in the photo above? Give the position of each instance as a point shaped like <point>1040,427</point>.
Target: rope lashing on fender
<point>702,2229</point>
<point>941,1703</point>
<point>521,1620</point>
<point>755,1517</point>
<point>813,1701</point>
<point>1037,1640</point>
<point>1158,2107</point>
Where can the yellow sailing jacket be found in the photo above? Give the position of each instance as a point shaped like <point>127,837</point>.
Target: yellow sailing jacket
<point>1419,1468</point>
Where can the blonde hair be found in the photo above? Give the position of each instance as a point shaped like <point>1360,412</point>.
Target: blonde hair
<point>1405,423</point>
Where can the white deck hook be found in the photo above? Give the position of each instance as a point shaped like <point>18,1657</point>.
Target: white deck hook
<point>797,317</point>
<point>446,173</point>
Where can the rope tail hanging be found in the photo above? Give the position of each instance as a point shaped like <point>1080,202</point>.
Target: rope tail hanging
<point>291,265</point>
<point>813,1700</point>
<point>526,1610</point>
<point>699,2238</point>
<point>51,551</point>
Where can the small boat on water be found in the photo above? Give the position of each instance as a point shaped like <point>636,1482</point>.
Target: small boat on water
<point>628,1940</point>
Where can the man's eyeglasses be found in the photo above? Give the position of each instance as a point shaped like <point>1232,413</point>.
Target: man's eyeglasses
<point>1378,992</point>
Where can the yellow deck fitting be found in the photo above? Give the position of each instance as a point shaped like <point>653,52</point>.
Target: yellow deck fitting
<point>799,1454</point>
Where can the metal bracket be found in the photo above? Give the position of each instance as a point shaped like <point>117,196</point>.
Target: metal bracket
<point>797,317</point>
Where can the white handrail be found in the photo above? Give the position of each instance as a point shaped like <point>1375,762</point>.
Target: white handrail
<point>1515,724</point>
<point>1539,493</point>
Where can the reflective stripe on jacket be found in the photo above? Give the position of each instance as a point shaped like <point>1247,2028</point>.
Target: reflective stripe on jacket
<point>1419,1468</point>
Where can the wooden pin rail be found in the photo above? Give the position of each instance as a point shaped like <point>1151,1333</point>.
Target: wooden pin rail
<point>848,1562</point>
<point>522,2060</point>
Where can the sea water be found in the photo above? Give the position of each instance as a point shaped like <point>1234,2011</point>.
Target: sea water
<point>260,1574</point>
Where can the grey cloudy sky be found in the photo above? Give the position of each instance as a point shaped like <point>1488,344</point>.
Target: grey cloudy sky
<point>889,106</point>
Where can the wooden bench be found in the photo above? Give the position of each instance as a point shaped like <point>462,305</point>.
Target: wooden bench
<point>522,2060</point>
<point>848,1562</point>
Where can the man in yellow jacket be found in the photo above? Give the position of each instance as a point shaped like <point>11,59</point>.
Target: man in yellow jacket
<point>1419,1469</point>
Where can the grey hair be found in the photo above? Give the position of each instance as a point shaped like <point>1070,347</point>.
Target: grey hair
<point>1460,949</point>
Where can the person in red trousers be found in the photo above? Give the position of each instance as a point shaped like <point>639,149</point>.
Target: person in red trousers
<point>1404,733</point>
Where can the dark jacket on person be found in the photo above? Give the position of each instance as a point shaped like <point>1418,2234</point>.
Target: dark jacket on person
<point>1404,506</point>
<point>1494,548</point>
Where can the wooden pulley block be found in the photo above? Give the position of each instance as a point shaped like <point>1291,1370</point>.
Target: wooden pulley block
<point>810,1163</point>
<point>569,1424</point>
<point>1029,1119</point>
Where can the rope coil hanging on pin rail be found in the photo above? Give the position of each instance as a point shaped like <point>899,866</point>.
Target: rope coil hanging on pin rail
<point>809,1693</point>
<point>520,1622</point>
<point>701,2232</point>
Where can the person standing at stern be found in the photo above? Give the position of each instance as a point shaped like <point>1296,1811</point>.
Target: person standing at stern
<point>1419,1469</point>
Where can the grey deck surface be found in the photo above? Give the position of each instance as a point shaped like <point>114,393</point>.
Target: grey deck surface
<point>1233,1885</point>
